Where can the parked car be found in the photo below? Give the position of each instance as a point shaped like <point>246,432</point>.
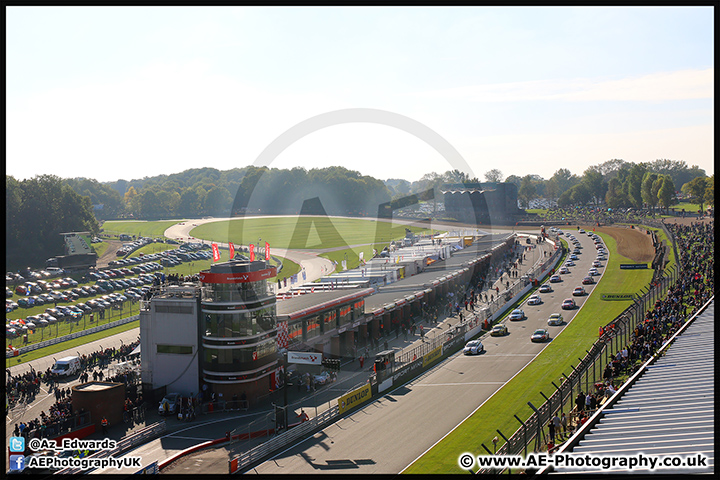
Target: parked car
<point>473,347</point>
<point>534,300</point>
<point>540,335</point>
<point>517,314</point>
<point>171,399</point>
<point>323,378</point>
<point>499,330</point>
<point>555,319</point>
<point>568,304</point>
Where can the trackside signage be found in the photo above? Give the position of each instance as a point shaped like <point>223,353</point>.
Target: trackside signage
<point>354,398</point>
<point>237,277</point>
<point>632,266</point>
<point>305,358</point>
<point>432,356</point>
<point>617,296</point>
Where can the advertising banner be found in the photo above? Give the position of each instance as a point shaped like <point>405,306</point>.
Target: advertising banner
<point>232,250</point>
<point>216,252</point>
<point>305,358</point>
<point>354,398</point>
<point>431,356</point>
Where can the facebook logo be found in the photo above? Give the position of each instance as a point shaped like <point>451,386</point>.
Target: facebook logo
<point>17,462</point>
<point>17,444</point>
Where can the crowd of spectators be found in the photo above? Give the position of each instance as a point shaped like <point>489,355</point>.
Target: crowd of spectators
<point>694,287</point>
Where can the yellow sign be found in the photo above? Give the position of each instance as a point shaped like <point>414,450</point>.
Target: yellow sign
<point>354,398</point>
<point>432,356</point>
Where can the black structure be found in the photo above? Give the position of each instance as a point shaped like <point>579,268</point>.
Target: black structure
<point>481,203</point>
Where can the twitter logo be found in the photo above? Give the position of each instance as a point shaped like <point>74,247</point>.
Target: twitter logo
<point>17,444</point>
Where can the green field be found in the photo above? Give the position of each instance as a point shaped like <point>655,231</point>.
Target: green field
<point>302,232</point>
<point>42,352</point>
<point>353,255</point>
<point>554,361</point>
<point>138,227</point>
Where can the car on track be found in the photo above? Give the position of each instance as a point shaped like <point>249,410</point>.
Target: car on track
<point>473,347</point>
<point>564,270</point>
<point>534,300</point>
<point>573,257</point>
<point>540,335</point>
<point>596,263</point>
<point>588,281</point>
<point>579,292</point>
<point>499,330</point>
<point>593,271</point>
<point>555,319</point>
<point>555,279</point>
<point>569,263</point>
<point>581,231</point>
<point>545,288</point>
<point>517,314</point>
<point>568,304</point>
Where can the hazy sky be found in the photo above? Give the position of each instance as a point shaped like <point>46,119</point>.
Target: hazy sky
<point>113,92</point>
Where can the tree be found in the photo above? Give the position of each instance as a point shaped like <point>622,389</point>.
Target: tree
<point>580,194</point>
<point>595,185</point>
<point>217,200</point>
<point>514,179</point>
<point>615,197</point>
<point>560,182</point>
<point>646,189</point>
<point>696,187</point>
<point>666,191</point>
<point>632,185</point>
<point>710,190</point>
<point>494,175</point>
<point>527,190</point>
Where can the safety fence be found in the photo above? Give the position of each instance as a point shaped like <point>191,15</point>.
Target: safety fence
<point>65,338</point>
<point>583,377</point>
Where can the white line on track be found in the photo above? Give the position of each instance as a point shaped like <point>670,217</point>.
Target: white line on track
<point>455,384</point>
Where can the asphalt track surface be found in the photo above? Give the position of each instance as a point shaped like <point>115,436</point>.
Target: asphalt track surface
<point>392,432</point>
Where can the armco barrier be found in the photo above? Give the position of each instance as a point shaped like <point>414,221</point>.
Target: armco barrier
<point>72,336</point>
<point>259,453</point>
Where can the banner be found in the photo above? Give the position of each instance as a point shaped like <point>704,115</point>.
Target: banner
<point>432,356</point>
<point>252,252</point>
<point>216,252</point>
<point>267,252</point>
<point>354,398</point>
<point>232,250</point>
<point>282,336</point>
<point>632,266</point>
<point>304,358</point>
<point>617,296</point>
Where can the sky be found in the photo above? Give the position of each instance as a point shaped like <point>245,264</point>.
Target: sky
<point>130,92</point>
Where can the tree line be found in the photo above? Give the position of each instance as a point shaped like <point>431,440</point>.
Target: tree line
<point>617,184</point>
<point>38,210</point>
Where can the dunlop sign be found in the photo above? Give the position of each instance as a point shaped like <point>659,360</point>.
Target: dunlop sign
<point>432,356</point>
<point>632,266</point>
<point>617,296</point>
<point>354,398</point>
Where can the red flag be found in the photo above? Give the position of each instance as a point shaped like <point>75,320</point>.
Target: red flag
<point>267,252</point>
<point>216,252</point>
<point>252,252</point>
<point>232,250</point>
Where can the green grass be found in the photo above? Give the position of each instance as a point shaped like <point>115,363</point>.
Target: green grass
<point>301,232</point>
<point>62,327</point>
<point>138,227</point>
<point>100,248</point>
<point>537,211</point>
<point>564,350</point>
<point>42,352</point>
<point>353,255</point>
<point>689,207</point>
